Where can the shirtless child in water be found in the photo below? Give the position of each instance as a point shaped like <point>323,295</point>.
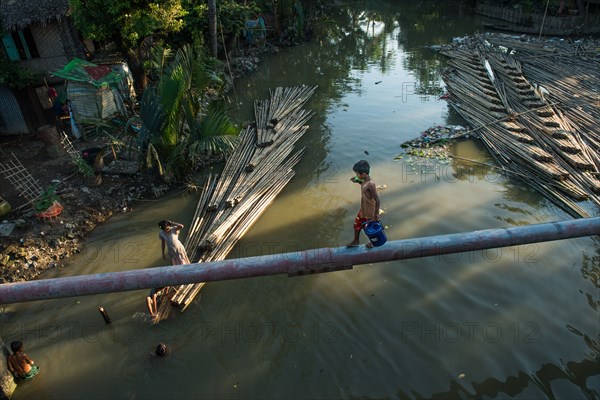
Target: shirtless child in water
<point>20,364</point>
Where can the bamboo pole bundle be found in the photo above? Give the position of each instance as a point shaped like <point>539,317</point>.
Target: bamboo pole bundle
<point>187,293</point>
<point>218,227</point>
<point>261,112</point>
<point>508,71</point>
<point>549,133</point>
<point>247,203</point>
<point>267,157</point>
<point>232,167</point>
<point>197,222</point>
<point>558,140</point>
<point>571,73</point>
<point>286,100</point>
<point>283,101</point>
<point>289,130</point>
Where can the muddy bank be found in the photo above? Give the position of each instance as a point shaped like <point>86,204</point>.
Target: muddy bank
<point>30,245</point>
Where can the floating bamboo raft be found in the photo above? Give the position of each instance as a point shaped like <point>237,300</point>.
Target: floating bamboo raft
<point>544,132</point>
<point>257,171</point>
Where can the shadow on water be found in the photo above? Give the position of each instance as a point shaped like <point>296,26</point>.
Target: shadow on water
<point>583,375</point>
<point>580,373</point>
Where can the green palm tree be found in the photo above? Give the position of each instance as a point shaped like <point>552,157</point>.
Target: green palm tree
<point>179,126</point>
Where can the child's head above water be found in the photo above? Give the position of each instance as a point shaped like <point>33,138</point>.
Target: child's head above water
<point>161,350</point>
<point>16,346</point>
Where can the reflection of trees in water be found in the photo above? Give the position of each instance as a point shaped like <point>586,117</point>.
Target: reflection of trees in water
<point>590,270</point>
<point>423,24</point>
<point>348,43</point>
<point>578,373</point>
<point>416,26</point>
<point>518,193</point>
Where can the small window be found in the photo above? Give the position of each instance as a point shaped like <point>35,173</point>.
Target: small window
<point>10,48</point>
<point>33,51</point>
<point>20,45</point>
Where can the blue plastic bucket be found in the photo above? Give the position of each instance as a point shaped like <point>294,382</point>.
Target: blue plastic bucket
<point>375,232</point>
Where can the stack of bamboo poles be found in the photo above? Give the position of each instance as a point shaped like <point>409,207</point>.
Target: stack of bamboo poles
<point>256,172</point>
<point>570,71</point>
<point>521,126</point>
<point>269,114</point>
<point>547,125</point>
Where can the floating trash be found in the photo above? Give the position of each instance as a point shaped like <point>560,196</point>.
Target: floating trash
<point>432,144</point>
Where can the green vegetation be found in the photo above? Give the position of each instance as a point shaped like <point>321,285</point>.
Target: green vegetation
<point>83,167</point>
<point>231,17</point>
<point>14,76</point>
<point>48,197</point>
<point>180,124</point>
<point>128,23</point>
<point>133,25</point>
<point>180,127</point>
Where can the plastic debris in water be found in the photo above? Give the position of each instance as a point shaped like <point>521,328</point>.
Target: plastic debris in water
<point>431,144</point>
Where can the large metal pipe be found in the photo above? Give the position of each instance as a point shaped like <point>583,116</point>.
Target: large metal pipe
<point>295,263</point>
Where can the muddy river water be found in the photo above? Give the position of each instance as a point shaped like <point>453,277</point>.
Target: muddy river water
<point>516,322</point>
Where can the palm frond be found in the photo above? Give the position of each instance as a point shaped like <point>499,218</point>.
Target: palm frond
<point>216,122</point>
<point>216,145</point>
<point>151,157</point>
<point>159,58</point>
<point>152,117</point>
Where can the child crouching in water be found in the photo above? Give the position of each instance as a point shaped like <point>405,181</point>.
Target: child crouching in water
<point>369,200</point>
<point>21,366</point>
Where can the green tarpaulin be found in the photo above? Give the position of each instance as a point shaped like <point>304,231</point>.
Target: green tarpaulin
<point>79,70</point>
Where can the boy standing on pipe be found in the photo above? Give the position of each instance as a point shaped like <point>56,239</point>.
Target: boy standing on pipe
<point>369,200</point>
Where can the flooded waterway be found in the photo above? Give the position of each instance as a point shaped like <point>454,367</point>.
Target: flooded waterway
<point>519,322</point>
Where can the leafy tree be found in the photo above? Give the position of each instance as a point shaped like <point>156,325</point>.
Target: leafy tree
<point>127,23</point>
<point>202,27</point>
